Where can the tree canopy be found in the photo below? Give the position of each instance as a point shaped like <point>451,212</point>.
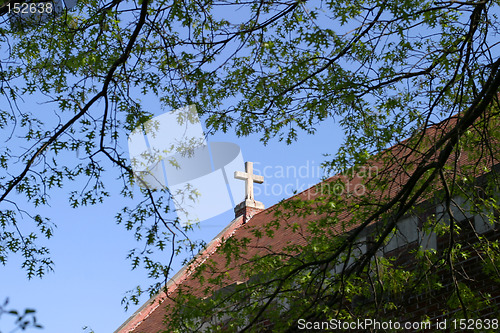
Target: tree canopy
<point>383,70</point>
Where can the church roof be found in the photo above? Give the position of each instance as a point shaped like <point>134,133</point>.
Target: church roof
<point>293,227</point>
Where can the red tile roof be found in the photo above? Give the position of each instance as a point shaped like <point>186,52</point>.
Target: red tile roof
<point>150,318</point>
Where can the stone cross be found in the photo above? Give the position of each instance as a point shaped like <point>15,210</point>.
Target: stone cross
<point>249,179</point>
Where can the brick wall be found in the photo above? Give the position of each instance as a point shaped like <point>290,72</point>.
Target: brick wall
<point>469,272</point>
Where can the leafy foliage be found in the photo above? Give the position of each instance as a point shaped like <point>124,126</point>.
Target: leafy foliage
<point>383,70</point>
<point>21,320</point>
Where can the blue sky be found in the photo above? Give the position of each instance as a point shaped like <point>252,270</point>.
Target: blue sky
<point>89,249</point>
<point>91,273</point>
